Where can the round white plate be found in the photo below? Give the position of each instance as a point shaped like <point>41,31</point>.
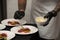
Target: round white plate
<point>10,35</point>
<point>2,26</point>
<point>5,22</point>
<point>32,30</point>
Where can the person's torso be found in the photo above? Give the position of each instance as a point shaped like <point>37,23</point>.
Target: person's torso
<point>41,8</point>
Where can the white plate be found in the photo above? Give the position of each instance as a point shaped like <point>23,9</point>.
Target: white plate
<point>2,26</point>
<point>10,35</point>
<point>5,22</point>
<point>32,28</point>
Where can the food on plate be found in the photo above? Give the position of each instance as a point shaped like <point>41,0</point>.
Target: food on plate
<point>13,22</point>
<point>25,30</point>
<point>3,36</point>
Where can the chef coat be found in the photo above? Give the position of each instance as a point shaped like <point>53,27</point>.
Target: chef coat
<point>40,8</point>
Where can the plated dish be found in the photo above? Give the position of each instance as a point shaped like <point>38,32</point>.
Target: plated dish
<point>12,22</point>
<point>2,26</point>
<point>24,31</point>
<point>3,36</point>
<point>6,35</point>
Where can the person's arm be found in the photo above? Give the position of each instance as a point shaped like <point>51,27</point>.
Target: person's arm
<point>20,13</point>
<point>22,5</point>
<point>57,8</point>
<point>52,13</point>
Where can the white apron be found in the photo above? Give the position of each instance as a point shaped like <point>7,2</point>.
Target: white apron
<point>41,8</point>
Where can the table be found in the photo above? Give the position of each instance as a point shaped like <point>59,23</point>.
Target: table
<point>34,36</point>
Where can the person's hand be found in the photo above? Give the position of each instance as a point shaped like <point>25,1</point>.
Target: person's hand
<point>47,22</point>
<point>19,14</point>
<point>49,17</point>
<point>51,14</point>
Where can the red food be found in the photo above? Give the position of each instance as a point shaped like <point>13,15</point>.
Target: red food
<point>25,30</point>
<point>4,35</point>
<point>13,22</point>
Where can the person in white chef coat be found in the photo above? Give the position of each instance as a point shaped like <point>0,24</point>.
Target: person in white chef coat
<point>42,8</point>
